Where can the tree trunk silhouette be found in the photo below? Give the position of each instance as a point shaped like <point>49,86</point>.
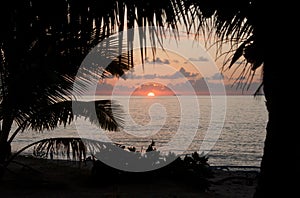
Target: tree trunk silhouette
<point>279,174</point>
<point>5,128</point>
<point>5,147</point>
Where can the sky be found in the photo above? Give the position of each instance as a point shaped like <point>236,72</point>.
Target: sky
<point>183,67</point>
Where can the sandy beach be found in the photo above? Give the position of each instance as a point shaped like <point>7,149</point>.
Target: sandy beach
<point>30,177</point>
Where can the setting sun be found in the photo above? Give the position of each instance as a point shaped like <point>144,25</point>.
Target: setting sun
<point>150,94</point>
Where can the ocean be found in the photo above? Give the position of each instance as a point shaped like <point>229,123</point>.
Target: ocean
<point>229,130</point>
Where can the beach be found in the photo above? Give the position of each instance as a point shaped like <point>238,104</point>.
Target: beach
<point>31,177</point>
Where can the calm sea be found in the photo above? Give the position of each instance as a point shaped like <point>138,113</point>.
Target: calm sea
<point>229,130</point>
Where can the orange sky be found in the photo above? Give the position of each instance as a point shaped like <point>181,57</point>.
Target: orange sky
<point>151,87</point>
<point>170,73</point>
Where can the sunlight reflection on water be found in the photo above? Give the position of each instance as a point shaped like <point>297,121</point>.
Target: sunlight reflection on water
<point>240,143</point>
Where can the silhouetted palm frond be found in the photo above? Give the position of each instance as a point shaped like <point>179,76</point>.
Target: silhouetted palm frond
<point>64,147</point>
<point>78,148</point>
<point>69,148</point>
<point>230,24</point>
<point>103,113</point>
<point>119,66</point>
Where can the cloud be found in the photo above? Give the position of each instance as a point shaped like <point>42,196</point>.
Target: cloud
<point>158,61</point>
<point>182,73</point>
<point>200,59</point>
<point>217,76</point>
<point>104,89</point>
<point>190,86</point>
<point>186,73</point>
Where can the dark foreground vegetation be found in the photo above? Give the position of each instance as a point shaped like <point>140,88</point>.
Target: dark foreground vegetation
<point>192,169</point>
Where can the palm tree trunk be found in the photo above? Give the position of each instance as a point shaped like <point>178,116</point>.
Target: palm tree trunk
<point>4,133</point>
<point>5,147</point>
<point>280,167</point>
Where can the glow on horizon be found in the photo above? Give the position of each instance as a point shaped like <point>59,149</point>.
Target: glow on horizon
<point>151,94</point>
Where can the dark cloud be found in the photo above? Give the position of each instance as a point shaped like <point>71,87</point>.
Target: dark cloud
<point>243,88</point>
<point>157,61</point>
<point>200,59</point>
<point>146,76</point>
<point>217,76</point>
<point>150,76</point>
<point>104,89</point>
<point>199,86</point>
<point>186,73</point>
<point>182,73</point>
<point>123,89</point>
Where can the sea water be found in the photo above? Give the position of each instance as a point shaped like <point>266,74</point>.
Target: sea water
<point>180,124</point>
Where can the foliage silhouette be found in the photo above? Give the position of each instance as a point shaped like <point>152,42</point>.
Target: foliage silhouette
<point>29,31</point>
<point>40,56</point>
<point>41,52</point>
<point>192,169</point>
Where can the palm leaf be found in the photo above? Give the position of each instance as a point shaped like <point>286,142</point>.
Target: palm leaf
<point>234,25</point>
<point>64,147</point>
<point>70,148</point>
<point>103,113</point>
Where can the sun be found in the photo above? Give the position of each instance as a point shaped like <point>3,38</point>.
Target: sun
<point>151,94</point>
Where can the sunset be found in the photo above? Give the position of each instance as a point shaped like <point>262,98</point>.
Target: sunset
<point>152,89</point>
<point>151,94</point>
<point>168,98</point>
<point>173,74</point>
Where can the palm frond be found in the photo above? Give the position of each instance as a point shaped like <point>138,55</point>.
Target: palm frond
<point>118,67</point>
<point>70,148</point>
<point>103,113</point>
<point>109,58</point>
<point>234,25</point>
<point>50,147</point>
<point>66,148</point>
<point>106,114</point>
<point>60,43</point>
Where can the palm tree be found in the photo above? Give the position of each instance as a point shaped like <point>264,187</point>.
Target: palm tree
<point>41,98</point>
<point>78,25</point>
<point>40,56</point>
<point>246,26</point>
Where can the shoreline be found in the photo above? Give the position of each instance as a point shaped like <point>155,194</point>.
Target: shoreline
<point>63,178</point>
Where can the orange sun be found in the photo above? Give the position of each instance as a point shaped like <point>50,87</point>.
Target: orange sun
<point>150,94</point>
